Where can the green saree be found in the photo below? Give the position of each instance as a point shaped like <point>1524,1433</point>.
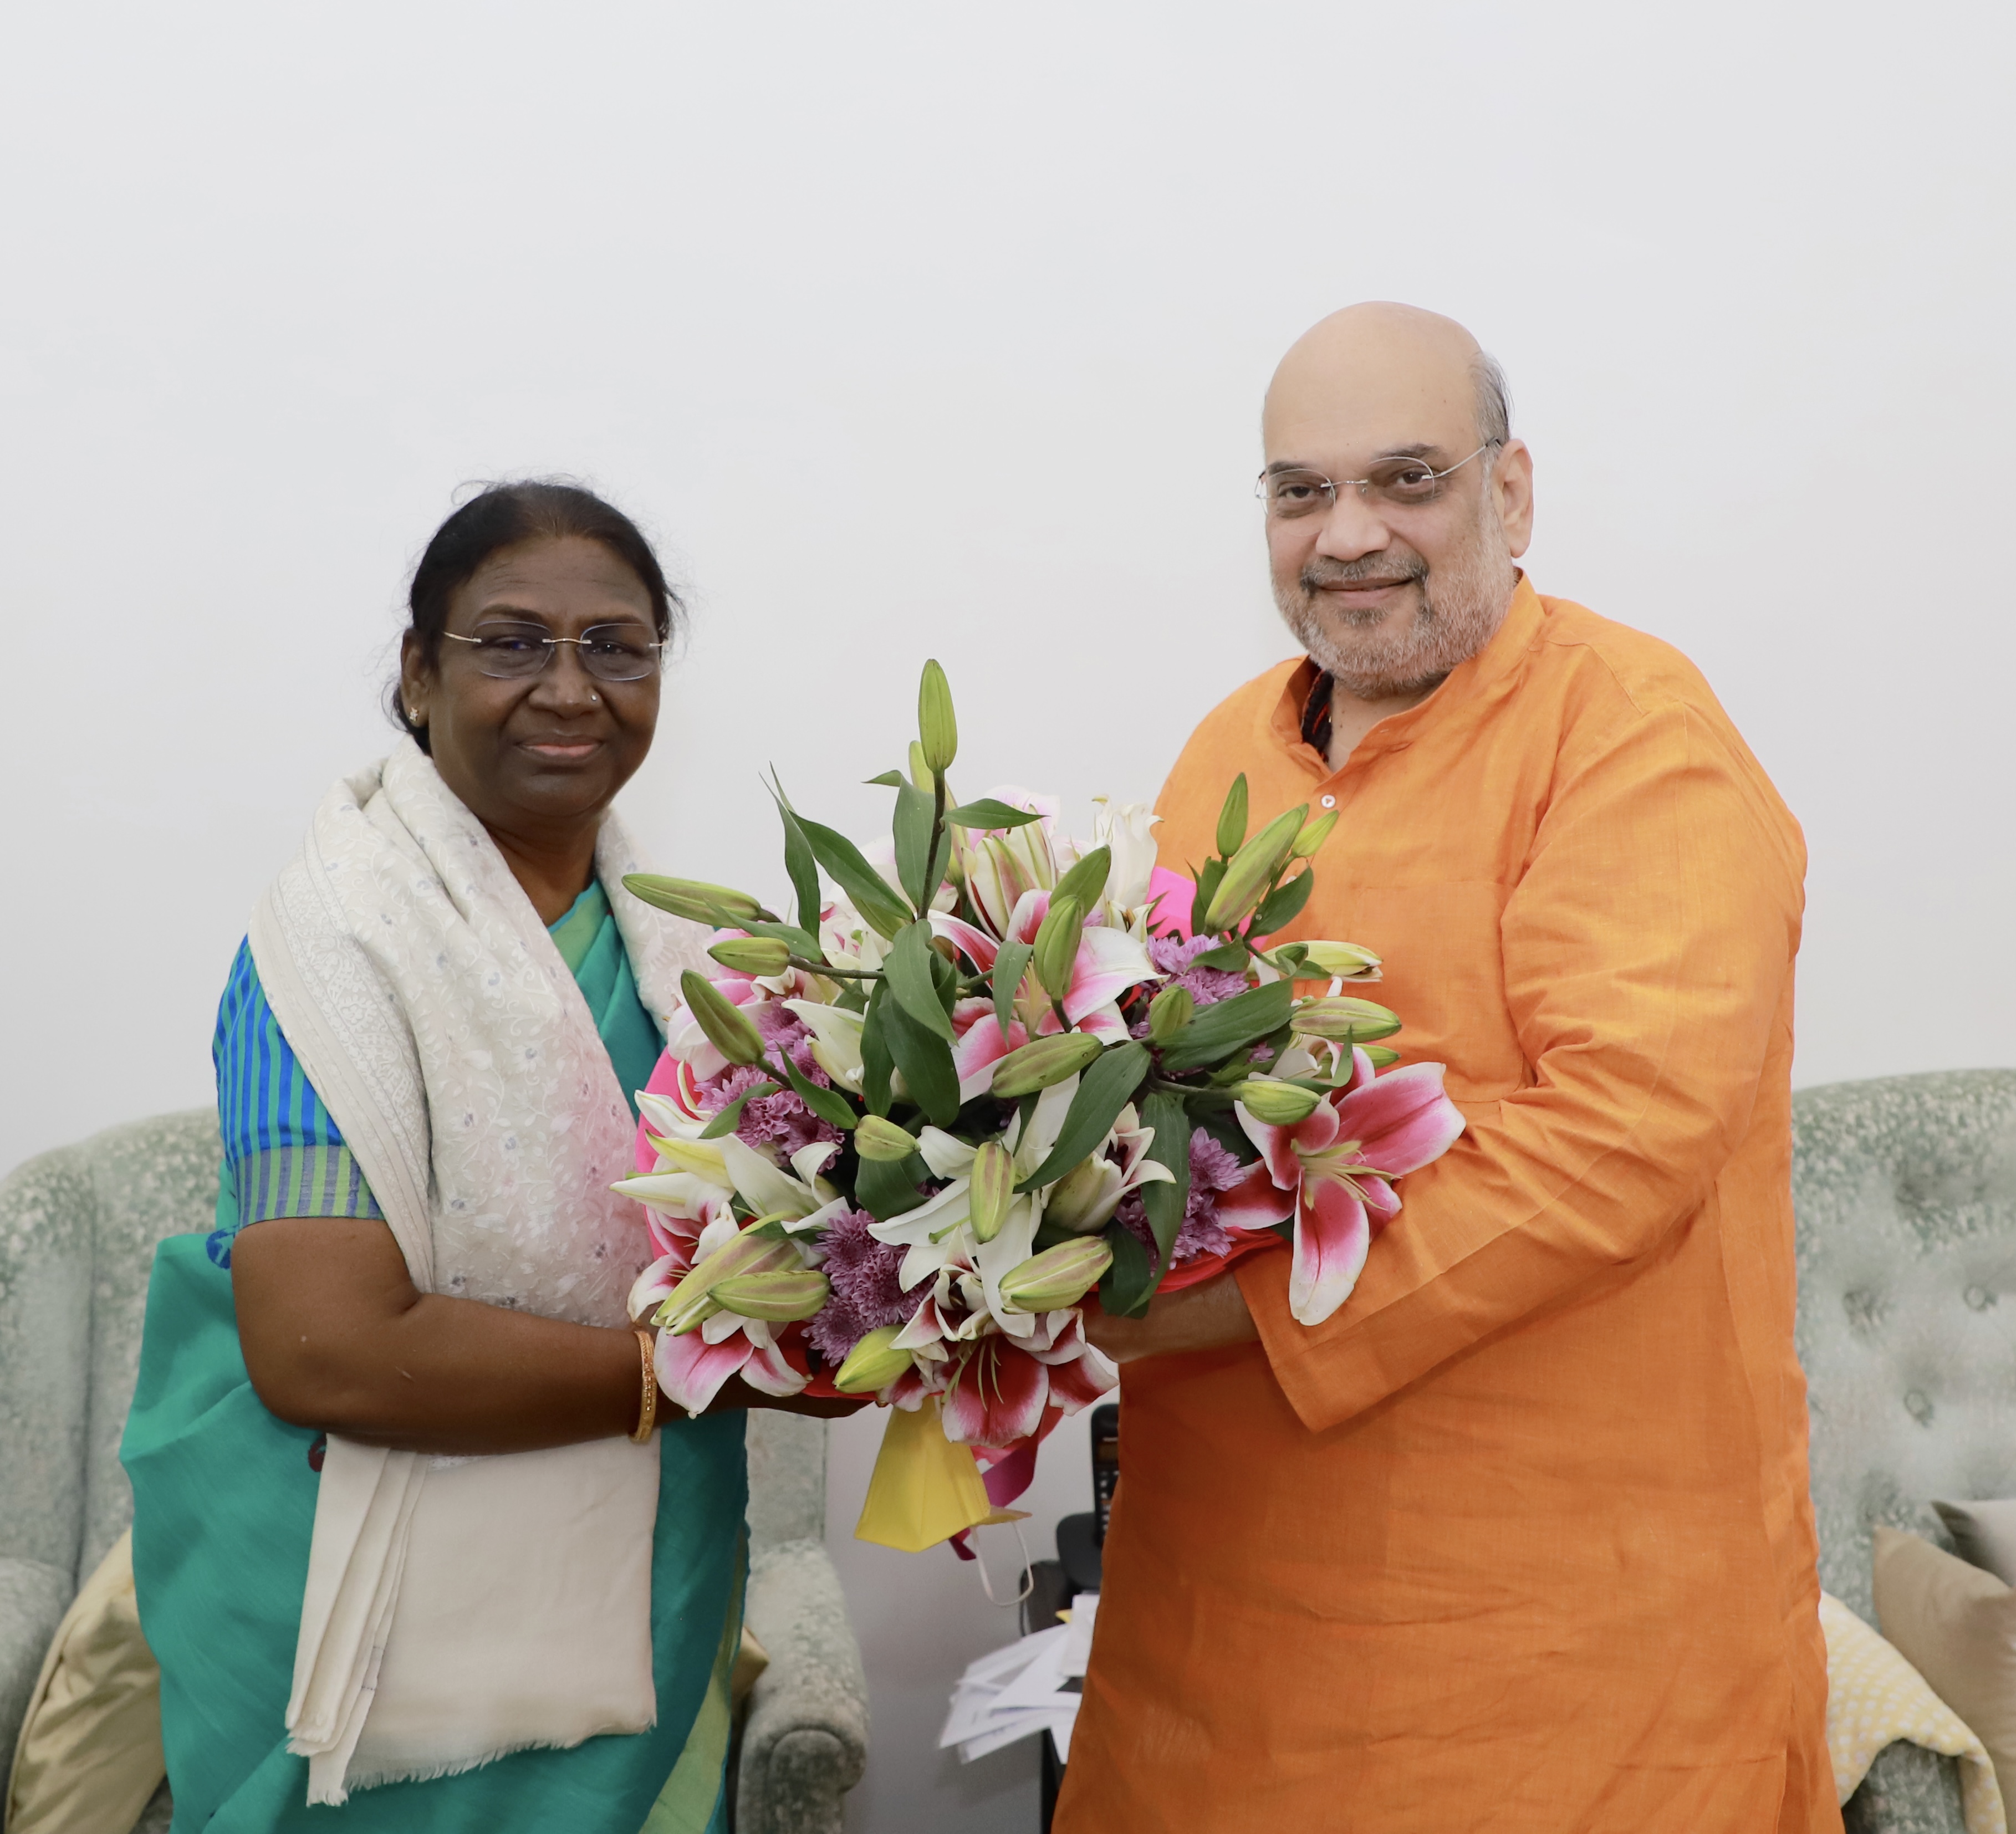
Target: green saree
<point>225,1504</point>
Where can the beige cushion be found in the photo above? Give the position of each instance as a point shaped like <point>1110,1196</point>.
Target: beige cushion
<point>1956,1624</point>
<point>750,1660</point>
<point>90,1752</point>
<point>1984,1534</point>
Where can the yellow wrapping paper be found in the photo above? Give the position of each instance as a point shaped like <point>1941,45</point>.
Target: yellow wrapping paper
<point>924,1489</point>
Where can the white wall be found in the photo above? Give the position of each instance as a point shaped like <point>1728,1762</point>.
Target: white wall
<point>942,329</point>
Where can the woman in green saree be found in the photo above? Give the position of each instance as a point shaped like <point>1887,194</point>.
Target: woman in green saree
<point>405,1542</point>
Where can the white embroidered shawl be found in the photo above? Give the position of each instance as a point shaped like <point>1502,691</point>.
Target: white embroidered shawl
<point>458,1609</point>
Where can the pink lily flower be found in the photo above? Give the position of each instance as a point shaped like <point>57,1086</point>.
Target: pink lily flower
<point>1109,961</point>
<point>981,1044</point>
<point>997,1388</point>
<point>1331,1173</point>
<point>692,1372</point>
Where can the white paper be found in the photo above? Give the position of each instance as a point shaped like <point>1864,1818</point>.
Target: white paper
<point>1014,1693</point>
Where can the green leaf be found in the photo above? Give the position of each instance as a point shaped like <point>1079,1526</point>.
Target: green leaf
<point>916,812</point>
<point>802,868</point>
<point>908,968</point>
<point>888,780</point>
<point>877,1065</point>
<point>1207,882</point>
<point>989,813</point>
<point>925,1059</point>
<point>829,1104</point>
<point>1218,1031</point>
<point>1126,1287</point>
<point>1009,967</point>
<point>1283,905</point>
<point>1087,879</point>
<point>887,1187</point>
<point>873,897</point>
<point>724,1122</point>
<point>1104,1090</point>
<point>1231,957</point>
<point>1165,1203</point>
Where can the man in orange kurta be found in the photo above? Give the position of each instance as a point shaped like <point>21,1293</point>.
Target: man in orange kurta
<point>1520,1539</point>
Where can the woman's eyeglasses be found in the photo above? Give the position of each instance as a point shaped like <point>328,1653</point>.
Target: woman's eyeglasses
<point>515,652</point>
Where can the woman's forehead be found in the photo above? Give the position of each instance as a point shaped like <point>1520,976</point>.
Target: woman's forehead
<point>566,578</point>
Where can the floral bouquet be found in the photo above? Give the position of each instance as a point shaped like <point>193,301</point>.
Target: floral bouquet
<point>893,1147</point>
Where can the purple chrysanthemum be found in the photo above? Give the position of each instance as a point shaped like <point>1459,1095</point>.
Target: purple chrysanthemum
<point>781,1120</point>
<point>1173,956</point>
<point>1213,1169</point>
<point>866,1294</point>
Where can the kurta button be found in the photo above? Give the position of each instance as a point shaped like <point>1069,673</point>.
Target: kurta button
<point>1330,802</point>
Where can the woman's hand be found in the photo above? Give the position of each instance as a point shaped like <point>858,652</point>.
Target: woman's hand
<point>336,1337</point>
<point>736,1393</point>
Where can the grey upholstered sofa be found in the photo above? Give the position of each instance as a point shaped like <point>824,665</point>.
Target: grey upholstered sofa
<point>1905,1190</point>
<point>77,1230</point>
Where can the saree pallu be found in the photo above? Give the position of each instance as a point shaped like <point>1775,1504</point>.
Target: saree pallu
<point>225,1505</point>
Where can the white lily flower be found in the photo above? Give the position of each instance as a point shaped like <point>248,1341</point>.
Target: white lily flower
<point>836,1039</point>
<point>1125,828</point>
<point>806,1202</point>
<point>1084,1198</point>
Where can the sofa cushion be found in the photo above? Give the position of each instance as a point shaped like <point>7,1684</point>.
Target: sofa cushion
<point>1956,1624</point>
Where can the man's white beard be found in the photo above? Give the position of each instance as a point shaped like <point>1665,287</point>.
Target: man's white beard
<point>1462,603</point>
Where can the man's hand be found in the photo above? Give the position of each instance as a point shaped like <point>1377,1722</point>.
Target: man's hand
<point>1207,1316</point>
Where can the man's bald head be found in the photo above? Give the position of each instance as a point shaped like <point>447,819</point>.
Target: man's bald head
<point>1390,588</point>
<point>1380,356</point>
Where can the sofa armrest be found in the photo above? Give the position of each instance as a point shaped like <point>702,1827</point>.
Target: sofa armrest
<point>33,1596</point>
<point>1908,1790</point>
<point>805,1741</point>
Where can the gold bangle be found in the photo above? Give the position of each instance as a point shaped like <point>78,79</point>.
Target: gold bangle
<point>647,1411</point>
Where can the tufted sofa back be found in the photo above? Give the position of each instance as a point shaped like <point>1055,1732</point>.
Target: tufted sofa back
<point>78,1227</point>
<point>1905,1193</point>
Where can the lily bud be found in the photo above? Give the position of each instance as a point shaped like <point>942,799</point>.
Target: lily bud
<point>1343,1020</point>
<point>1313,835</point>
<point>752,955</point>
<point>1087,879</point>
<point>1085,1197</point>
<point>878,1138</point>
<point>937,731</point>
<point>1058,1277</point>
<point>921,775</point>
<point>1043,1062</point>
<point>1055,958</point>
<point>1232,818</point>
<point>692,898</point>
<point>693,1302</point>
<point>1379,1056</point>
<point>1252,870</point>
<point>874,1362</point>
<point>721,1020</point>
<point>1342,961</point>
<point>1169,1011</point>
<point>1279,1104</point>
<point>993,1189</point>
<point>778,1296</point>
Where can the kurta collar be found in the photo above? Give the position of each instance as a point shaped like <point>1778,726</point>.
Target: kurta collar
<point>1479,678</point>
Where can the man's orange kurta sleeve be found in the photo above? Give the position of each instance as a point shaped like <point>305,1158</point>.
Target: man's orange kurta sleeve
<point>1647,952</point>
